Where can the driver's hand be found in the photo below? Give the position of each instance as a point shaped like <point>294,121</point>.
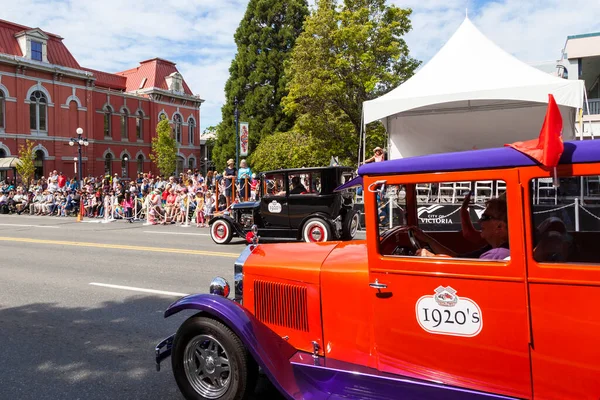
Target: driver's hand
<point>424,253</point>
<point>465,203</point>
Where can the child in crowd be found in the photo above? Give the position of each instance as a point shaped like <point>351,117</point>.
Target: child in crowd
<point>199,209</point>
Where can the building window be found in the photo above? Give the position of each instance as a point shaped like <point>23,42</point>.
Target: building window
<point>140,164</point>
<point>191,130</point>
<point>180,165</point>
<point>191,163</point>
<point>124,169</point>
<point>2,109</point>
<point>38,164</point>
<point>139,125</point>
<point>38,111</point>
<point>36,50</point>
<point>124,116</point>
<point>162,116</point>
<point>107,121</point>
<point>108,164</point>
<point>177,121</point>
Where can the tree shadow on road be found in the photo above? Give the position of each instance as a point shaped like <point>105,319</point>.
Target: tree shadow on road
<point>54,352</point>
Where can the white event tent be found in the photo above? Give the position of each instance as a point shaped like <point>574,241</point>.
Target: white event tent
<point>471,94</point>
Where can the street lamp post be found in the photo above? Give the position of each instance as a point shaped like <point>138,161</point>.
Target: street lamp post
<point>81,141</point>
<point>236,115</point>
<point>205,166</point>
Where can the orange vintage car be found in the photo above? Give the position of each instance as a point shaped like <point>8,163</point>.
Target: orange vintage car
<point>502,308</point>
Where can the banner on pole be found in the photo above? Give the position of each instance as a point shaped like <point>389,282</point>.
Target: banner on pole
<point>244,139</point>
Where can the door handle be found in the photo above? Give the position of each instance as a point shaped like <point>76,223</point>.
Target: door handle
<point>377,285</point>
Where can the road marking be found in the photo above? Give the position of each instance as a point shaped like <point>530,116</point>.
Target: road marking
<point>137,289</point>
<point>123,247</point>
<point>32,226</point>
<point>178,233</point>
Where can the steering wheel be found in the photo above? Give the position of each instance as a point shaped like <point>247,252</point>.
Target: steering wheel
<point>413,240</point>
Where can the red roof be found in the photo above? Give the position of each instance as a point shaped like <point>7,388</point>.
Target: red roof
<point>57,52</point>
<point>155,71</point>
<point>108,80</point>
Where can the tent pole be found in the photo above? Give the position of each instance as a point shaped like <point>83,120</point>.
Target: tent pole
<point>364,137</point>
<point>587,106</point>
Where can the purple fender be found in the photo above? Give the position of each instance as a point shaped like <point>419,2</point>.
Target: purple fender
<point>270,351</point>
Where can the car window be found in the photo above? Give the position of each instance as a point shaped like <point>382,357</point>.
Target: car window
<point>308,183</point>
<point>274,185</point>
<point>565,219</point>
<point>438,215</point>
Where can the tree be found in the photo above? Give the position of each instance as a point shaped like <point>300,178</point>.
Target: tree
<point>264,39</point>
<point>361,54</point>
<point>290,149</point>
<point>26,168</point>
<point>164,148</point>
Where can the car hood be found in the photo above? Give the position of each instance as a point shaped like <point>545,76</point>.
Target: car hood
<point>246,204</point>
<point>300,262</point>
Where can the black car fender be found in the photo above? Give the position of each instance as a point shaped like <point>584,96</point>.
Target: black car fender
<point>237,228</point>
<point>322,216</point>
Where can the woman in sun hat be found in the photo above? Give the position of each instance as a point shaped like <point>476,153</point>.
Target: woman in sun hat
<point>378,155</point>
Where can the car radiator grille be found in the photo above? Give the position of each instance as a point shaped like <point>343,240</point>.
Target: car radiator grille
<point>281,304</point>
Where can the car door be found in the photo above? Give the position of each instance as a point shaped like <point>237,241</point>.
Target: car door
<point>457,321</point>
<point>274,208</point>
<point>563,225</point>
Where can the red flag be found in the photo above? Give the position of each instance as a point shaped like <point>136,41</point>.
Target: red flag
<point>548,148</point>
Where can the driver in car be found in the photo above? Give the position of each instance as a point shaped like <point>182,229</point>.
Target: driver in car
<point>494,231</point>
<point>297,186</point>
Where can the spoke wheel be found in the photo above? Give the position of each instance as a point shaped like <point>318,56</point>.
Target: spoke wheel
<point>206,366</point>
<point>211,363</point>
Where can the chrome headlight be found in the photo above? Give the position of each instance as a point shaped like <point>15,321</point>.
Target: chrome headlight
<point>238,273</point>
<point>219,286</point>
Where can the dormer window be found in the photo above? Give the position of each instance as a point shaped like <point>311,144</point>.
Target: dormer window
<point>175,82</point>
<point>33,44</point>
<point>36,50</point>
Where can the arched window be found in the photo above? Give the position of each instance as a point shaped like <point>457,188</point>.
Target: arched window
<point>139,125</point>
<point>124,117</point>
<point>2,153</point>
<point>162,116</point>
<point>107,121</point>
<point>2,102</point>
<point>124,164</point>
<point>38,107</point>
<point>38,164</point>
<point>178,122</point>
<point>140,163</point>
<point>108,164</point>
<point>191,163</point>
<point>180,165</point>
<point>191,130</point>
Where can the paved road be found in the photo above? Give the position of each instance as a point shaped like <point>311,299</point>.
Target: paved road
<point>63,338</point>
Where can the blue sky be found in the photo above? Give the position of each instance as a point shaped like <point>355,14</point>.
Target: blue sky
<point>114,35</point>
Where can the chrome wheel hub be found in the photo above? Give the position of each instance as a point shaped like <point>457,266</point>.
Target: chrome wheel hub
<point>206,365</point>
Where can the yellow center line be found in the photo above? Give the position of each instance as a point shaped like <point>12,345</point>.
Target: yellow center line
<point>121,246</point>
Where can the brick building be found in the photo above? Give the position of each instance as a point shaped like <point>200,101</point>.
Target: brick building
<point>45,95</point>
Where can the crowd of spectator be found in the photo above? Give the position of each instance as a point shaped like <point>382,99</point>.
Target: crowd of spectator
<point>185,198</point>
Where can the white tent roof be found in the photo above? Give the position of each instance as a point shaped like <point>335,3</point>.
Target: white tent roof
<point>471,91</point>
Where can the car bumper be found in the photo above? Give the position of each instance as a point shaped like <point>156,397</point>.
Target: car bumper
<point>163,350</point>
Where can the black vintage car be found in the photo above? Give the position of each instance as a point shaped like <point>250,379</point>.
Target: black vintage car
<point>294,203</point>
